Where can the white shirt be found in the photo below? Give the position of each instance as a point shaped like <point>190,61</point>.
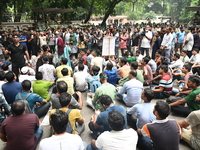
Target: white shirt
<point>176,64</point>
<point>190,39</point>
<point>195,58</point>
<point>26,77</point>
<point>48,72</point>
<point>80,80</point>
<point>98,61</point>
<point>139,58</point>
<point>145,43</point>
<point>167,40</point>
<point>84,70</point>
<point>117,140</point>
<point>64,142</point>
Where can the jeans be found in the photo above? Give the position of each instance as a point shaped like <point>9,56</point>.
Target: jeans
<point>97,131</point>
<point>116,52</point>
<point>42,110</point>
<point>38,133</point>
<point>157,95</point>
<point>181,110</point>
<point>177,77</point>
<point>144,49</point>
<point>167,54</point>
<point>175,90</point>
<point>144,142</point>
<point>90,147</point>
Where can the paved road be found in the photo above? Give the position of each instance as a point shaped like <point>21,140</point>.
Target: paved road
<point>86,136</point>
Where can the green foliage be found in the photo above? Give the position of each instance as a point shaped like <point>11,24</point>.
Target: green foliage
<point>150,15</point>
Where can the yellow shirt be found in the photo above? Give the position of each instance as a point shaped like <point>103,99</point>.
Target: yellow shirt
<point>73,117</point>
<point>59,68</point>
<point>70,82</point>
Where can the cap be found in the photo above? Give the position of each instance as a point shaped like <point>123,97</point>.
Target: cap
<point>24,70</point>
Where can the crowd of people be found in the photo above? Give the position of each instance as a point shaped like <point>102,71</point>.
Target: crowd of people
<point>49,71</point>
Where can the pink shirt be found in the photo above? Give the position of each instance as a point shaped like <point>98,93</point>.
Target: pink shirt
<point>123,42</point>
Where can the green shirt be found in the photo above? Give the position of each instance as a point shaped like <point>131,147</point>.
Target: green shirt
<point>140,76</point>
<point>104,89</point>
<point>190,98</point>
<point>41,88</point>
<point>131,59</point>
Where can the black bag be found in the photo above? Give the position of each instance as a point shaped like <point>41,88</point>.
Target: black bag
<point>28,109</point>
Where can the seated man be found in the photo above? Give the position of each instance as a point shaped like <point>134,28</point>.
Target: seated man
<point>73,116</point>
<point>99,121</point>
<point>123,71</point>
<point>41,87</point>
<point>131,90</point>
<point>111,73</point>
<point>129,58</point>
<point>164,89</point>
<point>63,64</point>
<point>183,83</point>
<point>80,79</point>
<point>178,107</point>
<point>61,138</point>
<point>61,87</point>
<point>32,99</point>
<point>105,89</point>
<point>162,128</point>
<point>25,75</point>
<point>94,81</point>
<point>147,71</point>
<point>11,88</point>
<point>81,62</point>
<point>191,136</point>
<point>141,114</point>
<point>134,67</point>
<point>20,131</point>
<point>68,79</point>
<point>118,137</point>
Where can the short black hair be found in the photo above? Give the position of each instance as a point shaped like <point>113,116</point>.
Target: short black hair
<point>188,67</point>
<point>163,109</point>
<point>2,75</point>
<point>134,64</point>
<point>195,79</point>
<point>64,71</point>
<point>18,107</point>
<point>184,51</point>
<point>133,73</point>
<point>105,100</point>
<point>138,51</point>
<point>159,51</point>
<point>109,66</point>
<point>196,49</point>
<point>164,67</point>
<point>26,85</point>
<point>45,47</point>
<point>10,76</point>
<point>116,120</point>
<point>95,70</point>
<point>81,61</point>
<point>123,60</point>
<point>39,75</point>
<point>45,58</point>
<point>6,56</point>
<point>62,86</point>
<point>64,99</point>
<point>103,75</point>
<point>64,60</point>
<point>4,67</point>
<point>81,67</point>
<point>146,60</point>
<point>177,55</point>
<point>59,121</point>
<point>149,94</point>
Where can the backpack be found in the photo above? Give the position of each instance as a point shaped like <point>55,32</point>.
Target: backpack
<point>69,127</point>
<point>28,109</point>
<point>94,85</point>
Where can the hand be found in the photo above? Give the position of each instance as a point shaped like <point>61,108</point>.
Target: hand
<point>178,82</point>
<point>91,95</point>
<point>178,94</point>
<point>78,93</point>
<point>97,112</point>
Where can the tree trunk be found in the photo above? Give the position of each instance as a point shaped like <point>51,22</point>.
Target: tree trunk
<point>89,12</point>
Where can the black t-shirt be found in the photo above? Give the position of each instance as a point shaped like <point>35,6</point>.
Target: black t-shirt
<point>17,53</point>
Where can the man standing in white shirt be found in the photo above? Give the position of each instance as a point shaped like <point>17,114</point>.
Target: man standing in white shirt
<point>166,43</point>
<point>145,41</point>
<point>189,42</point>
<point>195,60</point>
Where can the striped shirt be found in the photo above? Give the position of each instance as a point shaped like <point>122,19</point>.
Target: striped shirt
<point>166,82</point>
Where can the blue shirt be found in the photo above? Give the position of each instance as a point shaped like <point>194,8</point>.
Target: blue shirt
<point>22,38</point>
<point>112,76</point>
<point>94,83</point>
<point>102,119</point>
<point>180,36</point>
<point>31,99</point>
<point>173,40</point>
<point>132,91</point>
<point>10,90</point>
<point>144,113</point>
